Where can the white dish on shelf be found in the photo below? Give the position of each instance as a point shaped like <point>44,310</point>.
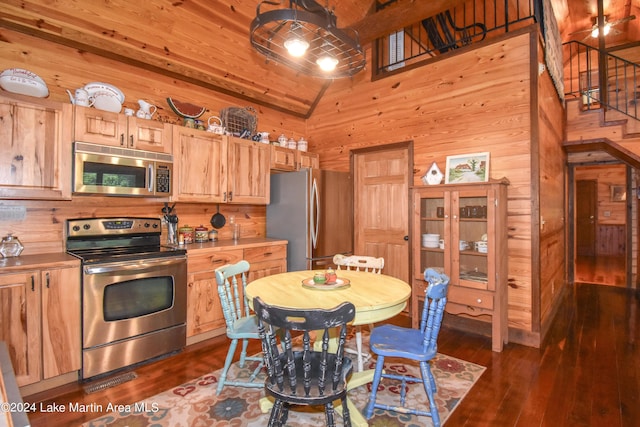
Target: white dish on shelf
<point>105,101</point>
<point>98,87</point>
<point>24,82</point>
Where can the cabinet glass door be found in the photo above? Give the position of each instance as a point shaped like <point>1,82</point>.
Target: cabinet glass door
<point>471,240</point>
<point>432,233</point>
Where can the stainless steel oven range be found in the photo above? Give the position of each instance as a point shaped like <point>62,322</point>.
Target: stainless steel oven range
<point>134,292</point>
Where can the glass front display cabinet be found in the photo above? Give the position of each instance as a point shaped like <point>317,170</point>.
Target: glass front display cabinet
<point>460,229</point>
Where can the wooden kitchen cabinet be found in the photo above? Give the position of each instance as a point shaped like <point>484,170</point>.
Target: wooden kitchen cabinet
<point>265,261</point>
<point>283,159</point>
<point>35,148</point>
<point>107,128</point>
<point>40,321</point>
<point>213,168</point>
<point>248,174</point>
<point>463,214</point>
<point>200,166</point>
<point>286,159</point>
<point>308,160</point>
<point>204,312</point>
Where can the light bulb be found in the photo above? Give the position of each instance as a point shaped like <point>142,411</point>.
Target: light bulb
<point>327,62</point>
<point>595,32</point>
<point>296,46</point>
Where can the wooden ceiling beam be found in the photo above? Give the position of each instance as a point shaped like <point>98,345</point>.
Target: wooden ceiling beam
<point>399,15</point>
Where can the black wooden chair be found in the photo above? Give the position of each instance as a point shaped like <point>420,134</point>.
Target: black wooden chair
<point>301,376</point>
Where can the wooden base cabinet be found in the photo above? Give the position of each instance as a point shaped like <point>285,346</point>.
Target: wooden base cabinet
<point>204,312</point>
<point>461,229</point>
<point>40,321</point>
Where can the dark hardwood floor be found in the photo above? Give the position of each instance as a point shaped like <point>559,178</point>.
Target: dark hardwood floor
<point>601,270</point>
<point>586,374</point>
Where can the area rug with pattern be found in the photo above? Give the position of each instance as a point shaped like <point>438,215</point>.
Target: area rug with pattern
<point>195,403</point>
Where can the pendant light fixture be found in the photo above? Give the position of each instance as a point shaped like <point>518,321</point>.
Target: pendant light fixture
<point>305,37</point>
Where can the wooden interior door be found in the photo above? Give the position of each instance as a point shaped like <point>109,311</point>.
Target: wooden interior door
<point>586,216</point>
<point>381,206</point>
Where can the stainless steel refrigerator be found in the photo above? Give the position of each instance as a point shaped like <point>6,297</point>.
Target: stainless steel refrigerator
<point>313,210</point>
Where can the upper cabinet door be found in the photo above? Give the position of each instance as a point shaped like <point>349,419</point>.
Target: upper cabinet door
<point>199,166</point>
<point>35,149</point>
<point>248,175</point>
<point>106,128</point>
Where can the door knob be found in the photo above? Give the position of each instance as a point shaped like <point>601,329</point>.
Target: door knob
<point>406,238</point>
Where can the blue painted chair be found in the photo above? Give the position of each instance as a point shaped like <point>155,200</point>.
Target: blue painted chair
<point>299,375</point>
<point>414,344</point>
<point>241,324</point>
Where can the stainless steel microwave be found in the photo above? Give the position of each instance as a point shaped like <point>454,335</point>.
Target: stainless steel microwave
<point>114,171</point>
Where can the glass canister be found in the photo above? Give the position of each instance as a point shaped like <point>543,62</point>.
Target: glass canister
<point>201,234</point>
<point>186,234</point>
<point>292,143</point>
<point>10,246</point>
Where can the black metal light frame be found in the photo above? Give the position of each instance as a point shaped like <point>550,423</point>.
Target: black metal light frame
<point>270,30</point>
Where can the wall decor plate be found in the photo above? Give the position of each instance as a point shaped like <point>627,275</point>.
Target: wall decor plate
<point>24,82</point>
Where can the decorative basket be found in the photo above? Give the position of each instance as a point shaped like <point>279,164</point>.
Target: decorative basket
<point>239,121</point>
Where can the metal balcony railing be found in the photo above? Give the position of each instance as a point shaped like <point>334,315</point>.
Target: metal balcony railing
<point>457,27</point>
<point>622,80</point>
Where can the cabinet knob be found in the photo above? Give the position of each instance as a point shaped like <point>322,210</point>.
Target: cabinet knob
<point>479,301</point>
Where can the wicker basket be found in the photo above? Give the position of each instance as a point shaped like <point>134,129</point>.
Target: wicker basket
<point>239,121</point>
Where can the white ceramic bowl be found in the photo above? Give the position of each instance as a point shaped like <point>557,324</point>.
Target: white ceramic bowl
<point>24,82</point>
<point>97,87</point>
<point>106,101</point>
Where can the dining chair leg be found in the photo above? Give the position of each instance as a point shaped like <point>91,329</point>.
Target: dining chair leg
<point>346,415</point>
<point>429,388</point>
<point>374,387</point>
<point>243,354</point>
<point>227,364</point>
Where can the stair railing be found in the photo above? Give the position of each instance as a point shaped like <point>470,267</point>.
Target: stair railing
<point>583,80</point>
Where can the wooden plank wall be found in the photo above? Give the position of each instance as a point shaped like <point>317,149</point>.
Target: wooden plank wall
<point>551,219</point>
<point>478,100</point>
<point>64,68</point>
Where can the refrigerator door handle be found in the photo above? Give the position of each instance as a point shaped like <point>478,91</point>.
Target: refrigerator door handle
<point>315,213</point>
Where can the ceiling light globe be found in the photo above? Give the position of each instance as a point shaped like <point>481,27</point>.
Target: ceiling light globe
<point>327,63</point>
<point>296,46</point>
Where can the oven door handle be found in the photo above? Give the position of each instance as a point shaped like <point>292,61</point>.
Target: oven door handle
<point>138,266</point>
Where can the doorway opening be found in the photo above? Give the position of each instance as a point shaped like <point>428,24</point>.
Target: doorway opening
<point>602,226</point>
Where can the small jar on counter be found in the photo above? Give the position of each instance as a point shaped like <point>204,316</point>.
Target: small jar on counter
<point>186,233</point>
<point>201,234</point>
<point>213,235</point>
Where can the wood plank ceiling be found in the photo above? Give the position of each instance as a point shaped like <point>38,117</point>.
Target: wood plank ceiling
<point>206,42</point>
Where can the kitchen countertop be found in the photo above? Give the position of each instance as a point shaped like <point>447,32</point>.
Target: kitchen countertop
<point>62,259</point>
<point>51,260</point>
<point>228,244</point>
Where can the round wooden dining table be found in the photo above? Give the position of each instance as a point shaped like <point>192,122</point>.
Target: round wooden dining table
<point>376,297</point>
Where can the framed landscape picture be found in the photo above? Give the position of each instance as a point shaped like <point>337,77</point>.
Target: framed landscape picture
<point>467,168</point>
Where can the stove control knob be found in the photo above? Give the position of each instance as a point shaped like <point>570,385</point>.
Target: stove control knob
<point>76,228</point>
<point>147,225</point>
<point>86,226</point>
<point>154,225</point>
